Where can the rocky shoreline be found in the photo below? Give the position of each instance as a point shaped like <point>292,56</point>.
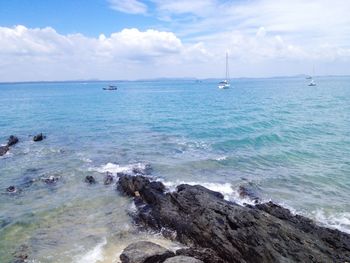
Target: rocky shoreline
<point>216,230</point>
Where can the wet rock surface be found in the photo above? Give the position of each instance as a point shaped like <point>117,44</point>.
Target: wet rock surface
<point>12,140</point>
<point>182,259</point>
<point>4,150</point>
<point>39,137</point>
<point>206,255</point>
<point>108,179</point>
<point>262,233</point>
<point>90,179</point>
<point>145,252</point>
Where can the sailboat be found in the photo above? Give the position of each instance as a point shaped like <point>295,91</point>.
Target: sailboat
<point>312,82</point>
<point>225,84</point>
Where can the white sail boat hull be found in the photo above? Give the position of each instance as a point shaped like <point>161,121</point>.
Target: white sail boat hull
<point>225,84</point>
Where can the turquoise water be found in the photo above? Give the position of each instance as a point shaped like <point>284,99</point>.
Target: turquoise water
<point>289,142</point>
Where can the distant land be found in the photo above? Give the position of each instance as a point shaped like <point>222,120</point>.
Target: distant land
<point>166,79</point>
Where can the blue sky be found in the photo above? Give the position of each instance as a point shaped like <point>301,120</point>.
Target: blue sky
<point>131,39</point>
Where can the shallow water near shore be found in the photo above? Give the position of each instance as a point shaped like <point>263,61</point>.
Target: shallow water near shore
<point>289,142</point>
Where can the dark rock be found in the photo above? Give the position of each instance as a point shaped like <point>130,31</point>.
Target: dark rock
<point>262,233</point>
<point>108,179</point>
<point>182,259</point>
<point>4,150</point>
<point>145,252</point>
<point>50,180</point>
<point>11,189</point>
<point>12,140</point>
<point>39,137</point>
<point>206,255</point>
<point>90,179</point>
<point>245,192</point>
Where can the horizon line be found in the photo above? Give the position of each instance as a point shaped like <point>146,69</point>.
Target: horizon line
<point>160,78</point>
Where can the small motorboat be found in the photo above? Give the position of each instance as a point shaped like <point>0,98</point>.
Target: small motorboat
<point>110,87</point>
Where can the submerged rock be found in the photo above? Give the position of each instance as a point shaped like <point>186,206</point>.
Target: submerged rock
<point>90,179</point>
<point>262,233</point>
<point>39,137</point>
<point>21,255</point>
<point>182,259</point>
<point>12,140</point>
<point>145,252</point>
<point>108,179</point>
<point>11,189</point>
<point>4,150</point>
<point>50,180</point>
<point>245,192</point>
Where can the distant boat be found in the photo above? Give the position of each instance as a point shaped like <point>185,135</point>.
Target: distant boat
<point>225,84</point>
<point>312,82</point>
<point>110,87</point>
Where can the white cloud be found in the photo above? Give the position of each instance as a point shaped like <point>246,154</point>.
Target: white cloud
<point>51,55</point>
<point>128,6</point>
<point>44,54</point>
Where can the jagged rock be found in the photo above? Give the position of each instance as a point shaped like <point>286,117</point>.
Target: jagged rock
<point>90,179</point>
<point>12,140</point>
<point>108,179</point>
<point>262,233</point>
<point>39,137</point>
<point>4,150</point>
<point>206,255</point>
<point>182,259</point>
<point>145,252</point>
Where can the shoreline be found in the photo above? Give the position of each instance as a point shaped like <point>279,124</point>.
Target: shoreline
<point>201,219</point>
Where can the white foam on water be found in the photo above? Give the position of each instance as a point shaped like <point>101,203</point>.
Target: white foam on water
<point>86,160</point>
<point>229,192</point>
<point>116,168</point>
<point>340,221</point>
<point>221,158</point>
<point>94,255</point>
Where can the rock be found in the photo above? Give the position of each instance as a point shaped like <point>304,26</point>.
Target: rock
<point>4,150</point>
<point>182,259</point>
<point>90,179</point>
<point>108,179</point>
<point>11,189</point>
<point>206,255</point>
<point>245,192</point>
<point>12,140</point>
<point>50,180</point>
<point>21,255</point>
<point>39,137</point>
<point>145,252</point>
<point>262,233</point>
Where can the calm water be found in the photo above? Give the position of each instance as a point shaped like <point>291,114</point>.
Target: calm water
<point>287,141</point>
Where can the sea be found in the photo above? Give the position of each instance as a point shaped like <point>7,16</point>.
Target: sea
<point>285,141</point>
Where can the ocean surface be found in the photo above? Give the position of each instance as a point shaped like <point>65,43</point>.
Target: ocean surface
<point>288,142</point>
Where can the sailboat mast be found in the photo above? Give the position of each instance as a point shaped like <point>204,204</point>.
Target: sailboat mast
<point>227,77</point>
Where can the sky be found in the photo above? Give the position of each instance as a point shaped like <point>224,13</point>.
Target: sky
<point>145,39</point>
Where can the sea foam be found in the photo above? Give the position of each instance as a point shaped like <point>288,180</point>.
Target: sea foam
<point>94,255</point>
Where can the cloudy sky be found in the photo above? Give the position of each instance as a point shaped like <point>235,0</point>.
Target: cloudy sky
<point>134,39</point>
